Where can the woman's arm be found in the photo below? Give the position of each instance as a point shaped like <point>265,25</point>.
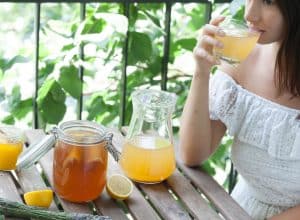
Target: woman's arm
<point>290,214</point>
<point>198,134</point>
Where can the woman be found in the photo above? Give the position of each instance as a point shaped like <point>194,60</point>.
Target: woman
<point>258,103</point>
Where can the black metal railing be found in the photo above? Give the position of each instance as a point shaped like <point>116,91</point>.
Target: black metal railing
<point>126,5</point>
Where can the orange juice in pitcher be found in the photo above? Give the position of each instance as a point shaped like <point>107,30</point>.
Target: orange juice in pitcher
<point>148,159</point>
<point>148,152</point>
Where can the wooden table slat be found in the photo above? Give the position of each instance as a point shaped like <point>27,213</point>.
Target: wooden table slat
<point>190,197</point>
<point>8,190</point>
<point>164,202</point>
<point>215,193</point>
<point>107,207</point>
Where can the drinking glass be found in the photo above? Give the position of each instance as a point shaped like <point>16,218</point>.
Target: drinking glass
<point>238,41</point>
<point>11,145</point>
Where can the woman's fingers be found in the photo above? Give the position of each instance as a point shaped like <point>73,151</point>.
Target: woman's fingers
<point>216,21</point>
<point>212,30</point>
<point>207,40</point>
<point>200,53</point>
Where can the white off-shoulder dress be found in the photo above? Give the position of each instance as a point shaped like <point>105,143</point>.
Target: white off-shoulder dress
<point>266,147</point>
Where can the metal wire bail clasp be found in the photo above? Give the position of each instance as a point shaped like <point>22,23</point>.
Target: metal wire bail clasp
<point>37,150</point>
<point>110,148</point>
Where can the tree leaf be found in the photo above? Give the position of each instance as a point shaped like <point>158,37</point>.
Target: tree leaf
<point>10,120</point>
<point>14,98</point>
<point>138,78</point>
<point>47,69</point>
<point>155,65</point>
<point>139,47</point>
<point>45,89</point>
<point>133,15</point>
<point>22,109</point>
<point>70,81</point>
<point>2,93</point>
<point>95,107</point>
<point>51,111</point>
<point>51,98</point>
<point>186,43</point>
<point>93,25</point>
<point>6,64</point>
<point>152,17</point>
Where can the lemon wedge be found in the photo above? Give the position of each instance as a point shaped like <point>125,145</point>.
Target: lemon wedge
<point>40,198</point>
<point>119,187</point>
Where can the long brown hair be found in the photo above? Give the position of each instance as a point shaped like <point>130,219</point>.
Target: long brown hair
<point>287,67</point>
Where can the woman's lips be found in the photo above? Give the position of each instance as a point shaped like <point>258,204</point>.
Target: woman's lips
<point>254,29</point>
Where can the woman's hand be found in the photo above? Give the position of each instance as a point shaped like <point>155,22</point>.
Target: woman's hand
<point>203,52</point>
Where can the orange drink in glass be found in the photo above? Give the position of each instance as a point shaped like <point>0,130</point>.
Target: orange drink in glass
<point>148,159</point>
<point>238,41</point>
<point>11,145</point>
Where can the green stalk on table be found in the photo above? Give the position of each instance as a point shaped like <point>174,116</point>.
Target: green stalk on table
<point>16,209</point>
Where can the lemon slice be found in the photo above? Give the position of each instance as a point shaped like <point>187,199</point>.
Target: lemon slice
<point>119,187</point>
<point>40,198</point>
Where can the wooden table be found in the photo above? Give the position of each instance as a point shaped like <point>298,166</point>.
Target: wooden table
<point>188,194</point>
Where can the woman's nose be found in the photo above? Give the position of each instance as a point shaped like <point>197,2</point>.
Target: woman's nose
<point>252,11</point>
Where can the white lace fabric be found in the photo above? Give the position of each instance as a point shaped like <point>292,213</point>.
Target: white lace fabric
<point>266,147</point>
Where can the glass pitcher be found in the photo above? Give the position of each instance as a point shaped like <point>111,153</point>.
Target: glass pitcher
<point>148,153</point>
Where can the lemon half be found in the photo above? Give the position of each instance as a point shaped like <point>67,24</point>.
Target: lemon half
<point>40,198</point>
<point>119,186</point>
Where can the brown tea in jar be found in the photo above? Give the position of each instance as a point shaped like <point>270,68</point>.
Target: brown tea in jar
<point>80,161</point>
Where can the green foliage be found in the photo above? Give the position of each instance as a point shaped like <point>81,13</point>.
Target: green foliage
<point>139,48</point>
<point>6,64</point>
<point>93,25</point>
<point>101,38</point>
<point>70,82</point>
<point>51,101</point>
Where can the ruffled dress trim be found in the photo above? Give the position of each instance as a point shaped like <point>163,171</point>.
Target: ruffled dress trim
<point>253,119</point>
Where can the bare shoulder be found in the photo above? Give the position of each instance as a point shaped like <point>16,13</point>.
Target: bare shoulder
<point>229,69</point>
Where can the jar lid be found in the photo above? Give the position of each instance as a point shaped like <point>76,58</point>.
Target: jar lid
<point>81,132</point>
<point>65,131</point>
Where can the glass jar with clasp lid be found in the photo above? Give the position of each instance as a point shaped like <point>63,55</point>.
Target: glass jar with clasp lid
<point>80,159</point>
